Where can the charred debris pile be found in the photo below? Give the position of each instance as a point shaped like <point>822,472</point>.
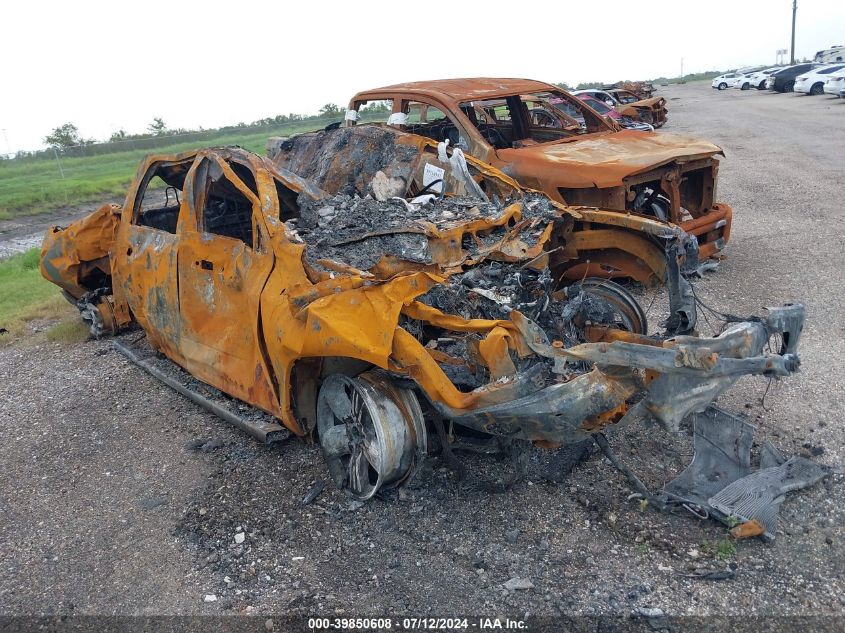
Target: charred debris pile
<point>358,232</point>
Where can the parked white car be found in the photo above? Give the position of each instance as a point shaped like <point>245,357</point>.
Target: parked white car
<point>756,79</point>
<point>733,81</point>
<point>741,81</point>
<point>835,84</point>
<point>721,82</point>
<point>812,83</point>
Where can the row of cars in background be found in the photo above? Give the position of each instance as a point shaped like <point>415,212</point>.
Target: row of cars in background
<point>631,105</point>
<point>809,78</point>
<point>824,75</point>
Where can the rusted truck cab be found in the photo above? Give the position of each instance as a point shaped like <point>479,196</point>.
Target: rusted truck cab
<point>585,160</point>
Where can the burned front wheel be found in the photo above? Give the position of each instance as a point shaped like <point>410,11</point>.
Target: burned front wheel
<point>372,432</point>
<point>605,303</point>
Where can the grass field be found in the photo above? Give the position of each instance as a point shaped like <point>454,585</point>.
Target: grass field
<point>33,186</point>
<point>26,295</point>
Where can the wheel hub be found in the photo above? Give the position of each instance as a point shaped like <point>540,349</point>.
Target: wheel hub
<point>372,433</point>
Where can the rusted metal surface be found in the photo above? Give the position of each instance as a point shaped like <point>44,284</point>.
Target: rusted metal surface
<point>74,258</point>
<point>722,483</point>
<point>642,89</point>
<point>266,287</point>
<point>649,110</point>
<point>264,432</point>
<point>579,160</point>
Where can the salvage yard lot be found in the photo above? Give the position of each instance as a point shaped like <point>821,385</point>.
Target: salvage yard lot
<point>119,496</point>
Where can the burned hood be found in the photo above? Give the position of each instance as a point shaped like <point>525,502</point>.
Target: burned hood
<point>650,102</point>
<point>653,103</point>
<point>605,160</point>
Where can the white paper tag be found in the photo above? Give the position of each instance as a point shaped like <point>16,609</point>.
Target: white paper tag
<point>432,173</point>
<point>397,118</point>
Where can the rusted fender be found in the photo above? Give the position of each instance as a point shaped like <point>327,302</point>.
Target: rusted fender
<point>70,255</point>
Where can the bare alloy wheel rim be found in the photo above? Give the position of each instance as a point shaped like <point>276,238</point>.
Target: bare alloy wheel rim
<point>372,433</point>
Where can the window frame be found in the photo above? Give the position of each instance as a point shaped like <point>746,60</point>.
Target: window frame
<point>203,183</point>
<point>141,190</point>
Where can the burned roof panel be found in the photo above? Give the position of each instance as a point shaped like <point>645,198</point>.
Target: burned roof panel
<point>464,89</point>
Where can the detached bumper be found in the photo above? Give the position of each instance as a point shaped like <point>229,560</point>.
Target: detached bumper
<point>682,375</point>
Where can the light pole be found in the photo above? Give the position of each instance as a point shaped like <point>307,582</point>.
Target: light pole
<point>792,50</point>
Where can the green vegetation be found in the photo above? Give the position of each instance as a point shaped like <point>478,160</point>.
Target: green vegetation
<point>72,330</point>
<point>34,185</point>
<point>722,550</point>
<point>94,172</point>
<point>588,85</point>
<point>725,549</point>
<point>689,77</point>
<point>25,294</point>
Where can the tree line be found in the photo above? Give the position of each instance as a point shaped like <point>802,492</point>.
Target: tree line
<point>66,138</point>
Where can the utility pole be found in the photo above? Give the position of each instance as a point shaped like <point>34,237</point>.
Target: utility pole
<point>792,50</point>
<point>59,163</point>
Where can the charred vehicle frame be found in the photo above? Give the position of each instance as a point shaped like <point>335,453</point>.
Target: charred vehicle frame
<point>363,320</point>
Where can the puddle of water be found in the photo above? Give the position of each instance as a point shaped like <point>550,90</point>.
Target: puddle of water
<point>15,245</point>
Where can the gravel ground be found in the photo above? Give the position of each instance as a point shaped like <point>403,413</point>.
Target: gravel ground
<point>120,497</point>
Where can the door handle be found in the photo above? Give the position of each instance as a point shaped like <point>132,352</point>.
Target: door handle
<point>205,264</point>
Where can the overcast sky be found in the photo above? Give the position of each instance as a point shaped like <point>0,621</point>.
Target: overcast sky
<point>111,65</point>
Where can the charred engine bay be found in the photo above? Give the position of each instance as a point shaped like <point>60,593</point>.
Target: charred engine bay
<point>492,290</point>
<point>359,232</point>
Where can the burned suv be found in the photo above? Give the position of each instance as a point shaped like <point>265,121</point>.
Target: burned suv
<point>581,159</point>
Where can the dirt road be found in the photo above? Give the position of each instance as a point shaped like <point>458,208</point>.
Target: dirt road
<point>118,496</point>
<point>25,232</point>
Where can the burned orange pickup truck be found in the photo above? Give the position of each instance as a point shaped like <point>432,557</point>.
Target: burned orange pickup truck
<point>579,160</point>
<point>367,320</point>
